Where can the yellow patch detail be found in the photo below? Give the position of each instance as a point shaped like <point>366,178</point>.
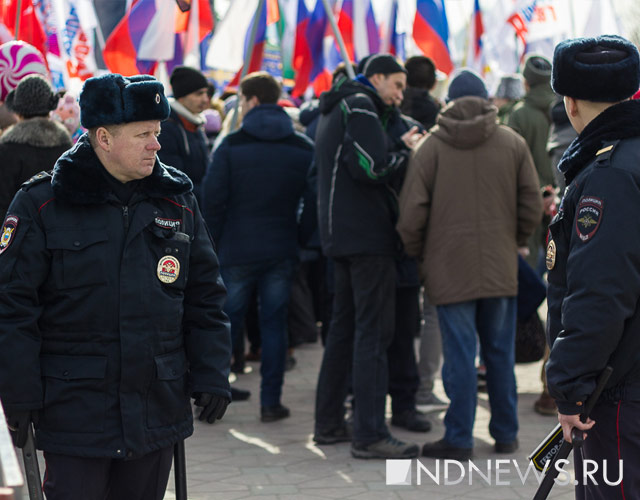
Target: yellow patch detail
<point>604,150</point>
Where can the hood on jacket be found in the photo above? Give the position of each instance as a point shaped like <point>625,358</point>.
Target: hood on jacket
<point>541,97</point>
<point>345,87</point>
<point>39,132</point>
<point>78,177</point>
<point>180,110</point>
<point>466,122</point>
<point>268,122</point>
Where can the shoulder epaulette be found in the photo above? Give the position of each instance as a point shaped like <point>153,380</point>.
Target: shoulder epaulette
<point>604,153</point>
<point>36,179</point>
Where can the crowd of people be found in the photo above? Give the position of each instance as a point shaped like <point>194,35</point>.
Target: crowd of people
<point>136,258</point>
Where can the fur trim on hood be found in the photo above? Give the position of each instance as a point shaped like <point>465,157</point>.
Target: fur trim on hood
<point>78,178</point>
<point>39,132</point>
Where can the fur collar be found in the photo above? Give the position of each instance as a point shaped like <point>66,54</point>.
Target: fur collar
<point>39,132</point>
<point>78,177</point>
<point>620,121</point>
<point>186,114</point>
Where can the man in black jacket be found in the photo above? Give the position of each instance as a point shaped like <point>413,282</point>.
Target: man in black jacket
<point>357,162</point>
<point>110,304</point>
<point>593,258</point>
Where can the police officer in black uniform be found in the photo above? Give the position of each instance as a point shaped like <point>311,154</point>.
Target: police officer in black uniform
<point>110,305</point>
<point>593,257</point>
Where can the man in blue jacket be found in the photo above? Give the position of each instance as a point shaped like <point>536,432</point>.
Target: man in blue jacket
<point>252,193</point>
<point>110,305</point>
<point>593,258</point>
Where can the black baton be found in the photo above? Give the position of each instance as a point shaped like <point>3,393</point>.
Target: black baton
<point>31,469</point>
<point>565,448</point>
<point>180,470</point>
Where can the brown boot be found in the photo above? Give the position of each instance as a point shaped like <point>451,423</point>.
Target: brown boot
<point>545,405</point>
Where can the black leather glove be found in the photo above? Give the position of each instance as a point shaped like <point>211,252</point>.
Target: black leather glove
<point>19,422</point>
<point>213,406</point>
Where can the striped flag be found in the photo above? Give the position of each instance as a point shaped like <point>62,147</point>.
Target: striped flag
<point>431,33</point>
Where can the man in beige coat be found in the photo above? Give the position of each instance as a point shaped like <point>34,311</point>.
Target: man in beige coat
<point>469,202</point>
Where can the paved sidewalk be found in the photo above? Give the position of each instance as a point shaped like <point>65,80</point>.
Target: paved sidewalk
<point>240,457</point>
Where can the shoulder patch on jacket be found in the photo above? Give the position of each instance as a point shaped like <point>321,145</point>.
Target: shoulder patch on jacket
<point>9,228</point>
<point>588,217</point>
<point>36,179</point>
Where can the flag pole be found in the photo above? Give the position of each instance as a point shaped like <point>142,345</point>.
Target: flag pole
<point>247,59</point>
<point>338,36</point>
<point>18,12</point>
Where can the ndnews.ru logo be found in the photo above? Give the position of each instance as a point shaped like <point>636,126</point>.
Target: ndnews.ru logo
<point>493,473</point>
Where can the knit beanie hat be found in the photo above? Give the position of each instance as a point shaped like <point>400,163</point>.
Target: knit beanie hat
<point>385,64</point>
<point>601,69</point>
<point>466,83</point>
<point>510,87</point>
<point>185,80</point>
<point>537,70</point>
<point>33,96</point>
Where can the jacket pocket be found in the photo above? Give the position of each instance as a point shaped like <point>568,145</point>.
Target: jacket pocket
<point>168,398</point>
<point>78,256</point>
<point>75,393</point>
<point>170,253</point>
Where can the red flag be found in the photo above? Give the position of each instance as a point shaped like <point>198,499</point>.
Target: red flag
<point>30,28</point>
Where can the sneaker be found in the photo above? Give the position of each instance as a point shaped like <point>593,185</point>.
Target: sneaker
<point>341,434</point>
<point>411,420</point>
<point>510,447</point>
<point>388,447</point>
<point>430,404</point>
<point>442,449</point>
<point>273,413</point>
<point>545,405</point>
<point>239,394</point>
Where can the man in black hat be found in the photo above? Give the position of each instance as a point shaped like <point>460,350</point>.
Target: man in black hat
<point>110,305</point>
<point>183,139</point>
<point>356,162</point>
<point>593,258</point>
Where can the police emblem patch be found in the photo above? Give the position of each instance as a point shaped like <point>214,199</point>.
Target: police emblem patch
<point>588,217</point>
<point>8,232</point>
<point>168,269</point>
<point>551,255</point>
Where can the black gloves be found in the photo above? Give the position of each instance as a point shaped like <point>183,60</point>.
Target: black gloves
<point>19,422</point>
<point>213,406</point>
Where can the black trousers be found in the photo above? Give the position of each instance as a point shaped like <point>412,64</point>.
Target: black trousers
<point>615,436</point>
<point>403,369</point>
<point>82,478</point>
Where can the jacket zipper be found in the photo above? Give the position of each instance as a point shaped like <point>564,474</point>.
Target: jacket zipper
<point>125,215</point>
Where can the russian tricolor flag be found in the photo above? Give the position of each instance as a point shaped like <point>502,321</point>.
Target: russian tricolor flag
<point>475,57</point>
<point>357,25</point>
<point>308,59</point>
<point>431,33</point>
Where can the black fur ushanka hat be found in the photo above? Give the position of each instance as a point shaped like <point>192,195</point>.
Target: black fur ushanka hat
<point>601,69</point>
<point>113,99</point>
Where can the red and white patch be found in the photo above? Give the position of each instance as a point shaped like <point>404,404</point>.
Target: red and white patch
<point>9,229</point>
<point>168,223</point>
<point>588,217</point>
<point>168,269</point>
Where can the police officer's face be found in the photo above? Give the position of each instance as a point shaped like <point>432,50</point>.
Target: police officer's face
<point>390,88</point>
<point>132,154</point>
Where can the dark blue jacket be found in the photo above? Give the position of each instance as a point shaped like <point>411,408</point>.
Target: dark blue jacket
<point>89,333</point>
<point>184,150</point>
<point>593,256</point>
<point>357,163</point>
<point>254,186</point>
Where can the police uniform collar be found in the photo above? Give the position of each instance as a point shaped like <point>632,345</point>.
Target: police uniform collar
<point>620,121</point>
<point>78,178</point>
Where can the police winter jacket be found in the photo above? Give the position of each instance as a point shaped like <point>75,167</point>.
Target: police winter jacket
<point>26,148</point>
<point>593,256</point>
<point>110,315</point>
<point>182,148</point>
<point>471,197</point>
<point>357,162</point>
<point>254,186</point>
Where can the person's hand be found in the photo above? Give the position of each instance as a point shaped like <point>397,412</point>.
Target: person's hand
<point>524,252</point>
<point>568,422</point>
<point>18,423</point>
<point>213,406</point>
<point>411,137</point>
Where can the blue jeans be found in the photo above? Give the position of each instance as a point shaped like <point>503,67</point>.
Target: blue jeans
<point>272,280</point>
<point>494,322</point>
<point>360,333</point>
